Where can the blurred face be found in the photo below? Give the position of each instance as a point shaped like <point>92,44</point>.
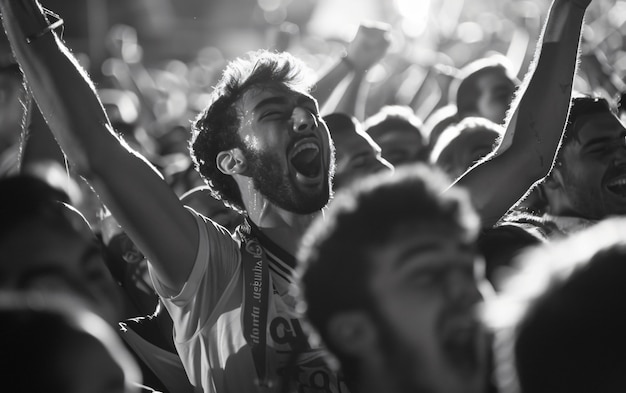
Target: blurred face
<point>495,95</point>
<point>288,148</point>
<point>426,292</point>
<point>357,156</point>
<point>400,146</point>
<point>594,168</point>
<point>40,257</point>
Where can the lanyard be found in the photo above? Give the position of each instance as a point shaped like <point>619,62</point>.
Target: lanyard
<point>256,291</point>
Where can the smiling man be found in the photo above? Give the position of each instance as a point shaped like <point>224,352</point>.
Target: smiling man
<point>588,182</point>
<point>264,151</point>
<point>589,179</point>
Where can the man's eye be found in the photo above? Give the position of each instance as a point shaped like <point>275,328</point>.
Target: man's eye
<point>269,114</point>
<point>273,115</point>
<point>597,148</point>
<point>423,279</point>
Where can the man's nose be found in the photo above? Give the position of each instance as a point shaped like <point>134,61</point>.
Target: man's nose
<point>303,120</point>
<point>620,152</point>
<point>462,287</point>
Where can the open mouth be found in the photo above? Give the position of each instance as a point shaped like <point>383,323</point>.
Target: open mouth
<point>461,347</point>
<point>306,160</point>
<point>617,186</point>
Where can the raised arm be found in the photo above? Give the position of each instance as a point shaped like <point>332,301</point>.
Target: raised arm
<point>537,118</point>
<point>127,184</point>
<point>367,48</point>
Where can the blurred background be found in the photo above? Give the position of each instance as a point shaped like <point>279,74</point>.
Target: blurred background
<point>460,30</point>
<point>430,36</point>
<point>155,62</point>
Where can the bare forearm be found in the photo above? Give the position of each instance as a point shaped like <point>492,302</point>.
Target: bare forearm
<point>143,203</point>
<point>541,105</point>
<point>58,83</point>
<point>536,122</point>
<point>329,81</point>
<point>348,103</point>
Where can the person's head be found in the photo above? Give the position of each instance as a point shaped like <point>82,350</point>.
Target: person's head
<point>398,131</point>
<point>263,125</point>
<point>558,320</point>
<point>484,88</point>
<point>356,153</point>
<point>55,345</point>
<point>47,245</point>
<point>589,177</point>
<point>462,145</point>
<point>388,280</point>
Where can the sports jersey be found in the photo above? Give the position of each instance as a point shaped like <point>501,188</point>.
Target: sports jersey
<point>209,324</point>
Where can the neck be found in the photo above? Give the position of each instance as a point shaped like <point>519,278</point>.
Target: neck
<point>283,227</point>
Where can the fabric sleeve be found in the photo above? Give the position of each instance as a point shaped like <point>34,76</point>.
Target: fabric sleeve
<point>216,265</point>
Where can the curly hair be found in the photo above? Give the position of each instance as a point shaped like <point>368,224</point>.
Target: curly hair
<point>216,127</point>
<point>337,248</point>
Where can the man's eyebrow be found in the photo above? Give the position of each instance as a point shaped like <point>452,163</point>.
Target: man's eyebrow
<point>276,100</point>
<point>416,249</point>
<point>425,248</point>
<point>598,139</point>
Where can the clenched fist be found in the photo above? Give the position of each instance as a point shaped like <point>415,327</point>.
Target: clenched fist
<point>369,45</point>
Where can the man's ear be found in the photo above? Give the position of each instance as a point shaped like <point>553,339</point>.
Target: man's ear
<point>231,162</point>
<point>352,332</point>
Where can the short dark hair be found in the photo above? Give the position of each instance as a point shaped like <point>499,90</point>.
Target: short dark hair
<point>334,261</point>
<point>393,117</point>
<point>215,128</point>
<point>580,106</point>
<point>460,133</point>
<point>464,90</point>
<point>560,318</point>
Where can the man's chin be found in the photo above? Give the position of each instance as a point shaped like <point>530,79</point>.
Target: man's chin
<point>301,203</point>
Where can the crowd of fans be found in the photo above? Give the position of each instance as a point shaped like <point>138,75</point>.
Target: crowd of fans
<point>318,216</point>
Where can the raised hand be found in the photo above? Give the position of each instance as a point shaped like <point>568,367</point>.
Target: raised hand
<point>368,46</point>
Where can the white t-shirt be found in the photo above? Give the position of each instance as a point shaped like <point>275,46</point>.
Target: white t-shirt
<point>208,329</point>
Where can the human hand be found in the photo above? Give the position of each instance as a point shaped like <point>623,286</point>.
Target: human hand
<point>368,46</point>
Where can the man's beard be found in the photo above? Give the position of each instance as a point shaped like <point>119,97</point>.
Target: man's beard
<point>266,173</point>
<point>588,201</point>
